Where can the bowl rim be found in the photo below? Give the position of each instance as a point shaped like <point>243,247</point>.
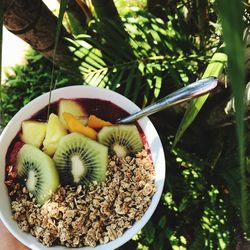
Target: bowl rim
<point>117,99</point>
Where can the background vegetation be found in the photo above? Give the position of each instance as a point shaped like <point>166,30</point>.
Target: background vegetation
<point>154,48</point>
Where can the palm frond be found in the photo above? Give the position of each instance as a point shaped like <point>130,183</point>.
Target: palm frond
<point>137,61</point>
<point>213,231</point>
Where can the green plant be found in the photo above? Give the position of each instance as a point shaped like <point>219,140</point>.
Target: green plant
<point>232,23</point>
<point>146,57</point>
<point>30,81</point>
<point>151,57</point>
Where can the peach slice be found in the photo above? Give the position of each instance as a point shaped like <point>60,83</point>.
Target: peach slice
<point>95,122</point>
<point>76,126</point>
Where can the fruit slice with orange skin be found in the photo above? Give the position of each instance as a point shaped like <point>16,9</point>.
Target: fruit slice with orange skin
<point>95,122</point>
<point>76,126</point>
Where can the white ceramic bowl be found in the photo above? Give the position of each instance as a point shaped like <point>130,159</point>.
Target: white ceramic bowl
<point>79,92</point>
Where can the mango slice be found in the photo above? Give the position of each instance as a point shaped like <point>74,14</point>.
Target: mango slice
<point>96,123</point>
<point>55,131</point>
<point>74,108</point>
<point>75,125</point>
<point>33,132</point>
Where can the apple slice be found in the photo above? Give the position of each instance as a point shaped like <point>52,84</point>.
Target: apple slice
<point>33,132</point>
<point>74,108</point>
<point>55,131</point>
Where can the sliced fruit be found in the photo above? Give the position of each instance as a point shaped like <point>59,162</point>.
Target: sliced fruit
<point>96,123</point>
<point>38,171</point>
<point>55,131</point>
<point>80,160</point>
<point>83,120</point>
<point>122,140</point>
<point>33,132</point>
<point>72,107</point>
<point>75,125</point>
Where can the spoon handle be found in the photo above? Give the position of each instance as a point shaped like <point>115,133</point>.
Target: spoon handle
<point>186,93</point>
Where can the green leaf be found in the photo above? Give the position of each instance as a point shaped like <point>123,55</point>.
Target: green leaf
<point>214,68</point>
<point>131,75</point>
<point>63,6</point>
<point>231,14</point>
<point>74,24</point>
<point>138,84</point>
<point>149,232</point>
<point>116,79</point>
<point>146,41</point>
<point>162,222</point>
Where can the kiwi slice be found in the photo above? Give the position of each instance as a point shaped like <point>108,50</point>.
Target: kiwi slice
<point>80,160</point>
<point>122,140</point>
<point>38,171</point>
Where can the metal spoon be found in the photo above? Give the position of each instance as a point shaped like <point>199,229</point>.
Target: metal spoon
<point>186,93</point>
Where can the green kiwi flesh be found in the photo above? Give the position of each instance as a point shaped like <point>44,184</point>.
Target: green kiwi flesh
<point>38,171</point>
<point>121,140</point>
<point>80,160</point>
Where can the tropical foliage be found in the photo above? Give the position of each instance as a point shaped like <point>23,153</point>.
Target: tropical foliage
<point>146,53</point>
<point>152,56</point>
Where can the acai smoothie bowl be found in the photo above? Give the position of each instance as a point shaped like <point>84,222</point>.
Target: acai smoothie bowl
<point>71,177</point>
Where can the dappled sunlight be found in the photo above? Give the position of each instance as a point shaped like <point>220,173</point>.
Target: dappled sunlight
<point>145,50</point>
<point>214,219</point>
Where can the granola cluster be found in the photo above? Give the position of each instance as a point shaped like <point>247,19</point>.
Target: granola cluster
<point>87,216</point>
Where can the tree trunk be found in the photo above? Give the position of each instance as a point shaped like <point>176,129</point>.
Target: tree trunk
<point>33,22</point>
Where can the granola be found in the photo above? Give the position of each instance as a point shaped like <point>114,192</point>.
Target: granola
<point>88,216</point>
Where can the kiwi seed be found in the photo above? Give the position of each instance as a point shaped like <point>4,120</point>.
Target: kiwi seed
<point>121,140</point>
<point>38,171</point>
<point>80,160</point>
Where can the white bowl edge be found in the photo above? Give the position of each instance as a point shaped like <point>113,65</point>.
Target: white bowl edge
<point>70,93</point>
